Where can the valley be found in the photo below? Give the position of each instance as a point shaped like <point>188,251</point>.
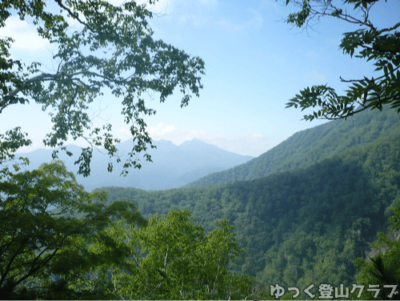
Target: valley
<point>312,215</point>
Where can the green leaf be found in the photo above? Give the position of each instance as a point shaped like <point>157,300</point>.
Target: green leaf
<point>390,67</point>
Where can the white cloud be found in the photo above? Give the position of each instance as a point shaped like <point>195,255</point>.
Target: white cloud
<point>25,36</point>
<point>314,75</point>
<point>253,145</point>
<point>335,42</point>
<point>195,20</point>
<point>159,7</point>
<point>228,26</point>
<point>312,55</point>
<point>193,12</point>
<point>257,20</point>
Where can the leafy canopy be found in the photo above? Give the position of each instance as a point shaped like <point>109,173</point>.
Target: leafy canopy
<point>173,259</point>
<point>384,267</point>
<point>45,253</point>
<point>133,63</point>
<point>55,238</point>
<point>382,46</point>
<point>86,250</point>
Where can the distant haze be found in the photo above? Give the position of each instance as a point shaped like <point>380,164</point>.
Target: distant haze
<point>173,166</point>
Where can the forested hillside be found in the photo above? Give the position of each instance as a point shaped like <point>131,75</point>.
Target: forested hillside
<point>304,226</point>
<point>302,221</point>
<point>311,146</point>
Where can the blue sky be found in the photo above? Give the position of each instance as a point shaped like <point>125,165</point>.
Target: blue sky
<point>254,61</point>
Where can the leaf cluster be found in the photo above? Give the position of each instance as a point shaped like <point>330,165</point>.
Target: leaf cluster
<point>43,252</point>
<point>382,46</point>
<point>172,258</point>
<point>132,63</point>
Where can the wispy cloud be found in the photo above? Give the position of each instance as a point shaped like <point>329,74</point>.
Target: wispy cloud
<point>27,39</point>
<point>194,12</point>
<point>253,145</point>
<point>193,19</point>
<point>256,21</point>
<point>314,75</point>
<point>25,36</point>
<point>26,149</point>
<point>270,4</point>
<point>335,42</point>
<point>229,26</point>
<point>159,7</point>
<point>208,2</point>
<point>312,55</point>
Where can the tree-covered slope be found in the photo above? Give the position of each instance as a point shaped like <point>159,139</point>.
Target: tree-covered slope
<point>311,146</point>
<point>299,227</point>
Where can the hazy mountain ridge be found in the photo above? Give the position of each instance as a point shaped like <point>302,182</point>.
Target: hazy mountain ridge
<point>172,166</point>
<point>327,193</point>
<point>310,146</point>
<point>288,221</point>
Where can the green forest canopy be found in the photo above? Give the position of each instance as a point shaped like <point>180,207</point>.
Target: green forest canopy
<point>301,226</point>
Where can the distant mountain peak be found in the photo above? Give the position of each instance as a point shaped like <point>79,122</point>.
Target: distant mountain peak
<point>195,143</point>
<point>172,166</point>
<point>164,142</point>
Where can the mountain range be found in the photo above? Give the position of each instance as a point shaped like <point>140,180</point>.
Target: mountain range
<point>305,210</point>
<point>172,166</point>
<point>307,147</point>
